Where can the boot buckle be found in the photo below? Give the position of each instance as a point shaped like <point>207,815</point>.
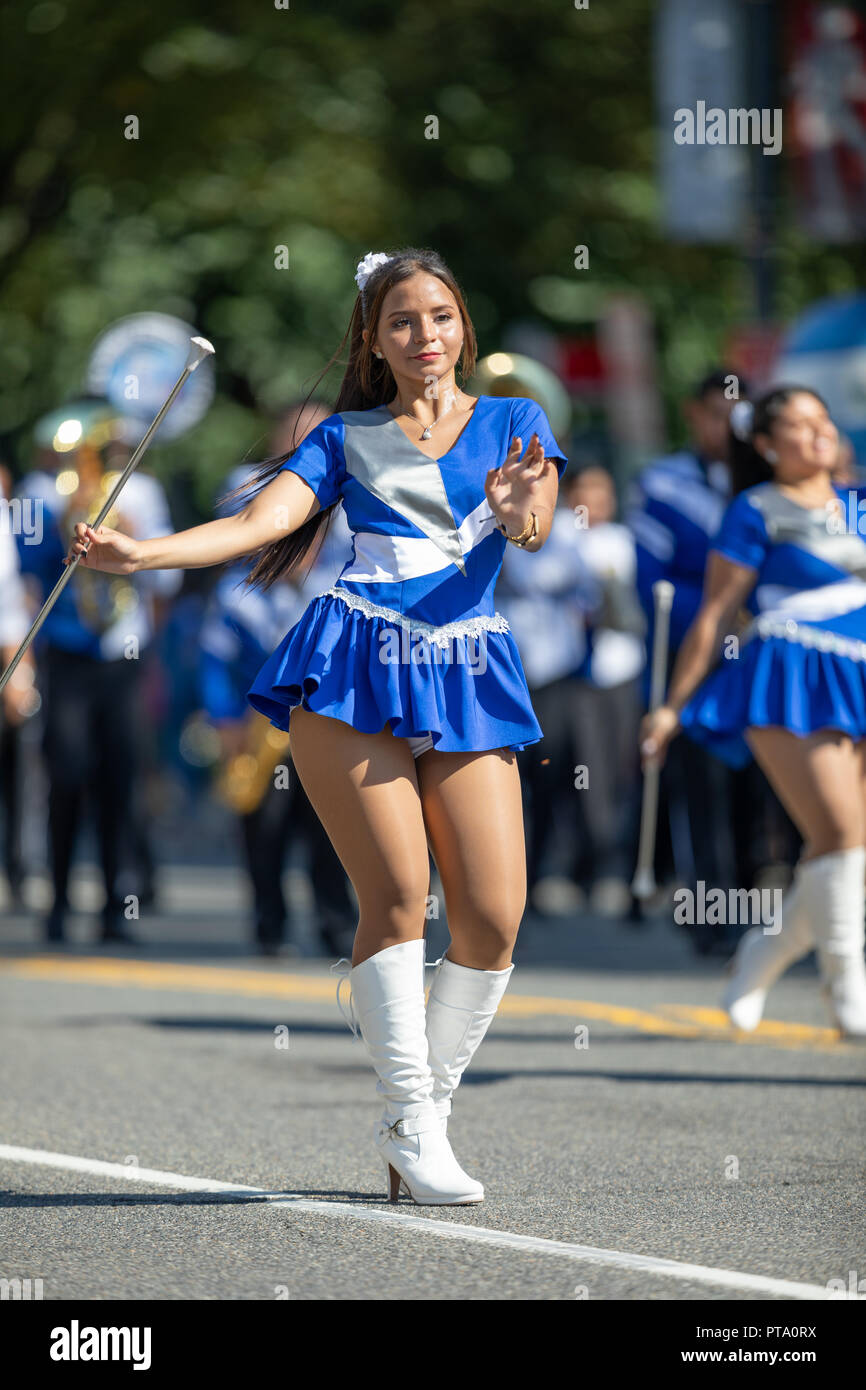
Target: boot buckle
<point>419,1125</point>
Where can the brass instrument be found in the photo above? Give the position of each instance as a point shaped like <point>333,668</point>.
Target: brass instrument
<point>87,435</point>
<point>515,374</point>
<point>102,598</point>
<point>244,777</point>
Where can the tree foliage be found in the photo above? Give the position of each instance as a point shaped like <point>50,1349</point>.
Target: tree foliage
<point>308,127</point>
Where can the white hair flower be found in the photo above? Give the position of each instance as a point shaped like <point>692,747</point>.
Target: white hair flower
<point>742,416</point>
<point>371,262</point>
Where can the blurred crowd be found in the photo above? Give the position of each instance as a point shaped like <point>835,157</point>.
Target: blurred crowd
<point>124,667</point>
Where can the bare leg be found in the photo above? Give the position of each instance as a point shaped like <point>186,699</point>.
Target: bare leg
<point>364,791</point>
<point>474,817</point>
<point>821,782</point>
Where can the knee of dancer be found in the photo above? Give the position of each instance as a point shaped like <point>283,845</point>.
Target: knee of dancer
<point>401,915</point>
<point>493,926</point>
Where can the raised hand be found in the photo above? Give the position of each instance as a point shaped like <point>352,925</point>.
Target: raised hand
<point>514,488</point>
<point>103,549</point>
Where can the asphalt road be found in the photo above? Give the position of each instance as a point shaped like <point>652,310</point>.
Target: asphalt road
<point>667,1136</point>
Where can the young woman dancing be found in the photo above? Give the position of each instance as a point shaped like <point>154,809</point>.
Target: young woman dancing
<point>790,548</point>
<point>406,692</point>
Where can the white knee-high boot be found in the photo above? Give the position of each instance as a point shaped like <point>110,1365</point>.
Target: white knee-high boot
<point>460,1008</point>
<point>839,934</point>
<point>762,956</point>
<point>387,1002</point>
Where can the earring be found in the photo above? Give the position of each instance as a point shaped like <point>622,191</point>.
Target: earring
<point>377,352</point>
<point>771,456</point>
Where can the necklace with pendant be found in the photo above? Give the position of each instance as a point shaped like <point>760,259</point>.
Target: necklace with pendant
<point>428,429</point>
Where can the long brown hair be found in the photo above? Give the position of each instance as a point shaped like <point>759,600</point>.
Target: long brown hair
<point>368,382</point>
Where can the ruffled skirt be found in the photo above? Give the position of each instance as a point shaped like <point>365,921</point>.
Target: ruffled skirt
<point>370,666</point>
<point>793,674</point>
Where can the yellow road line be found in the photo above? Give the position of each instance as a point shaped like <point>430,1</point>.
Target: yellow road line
<point>669,1020</point>
<point>769,1030</point>
<point>142,974</point>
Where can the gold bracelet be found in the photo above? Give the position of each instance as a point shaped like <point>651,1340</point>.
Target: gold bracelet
<point>529,532</point>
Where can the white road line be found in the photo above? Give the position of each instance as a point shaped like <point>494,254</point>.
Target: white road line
<point>480,1235</point>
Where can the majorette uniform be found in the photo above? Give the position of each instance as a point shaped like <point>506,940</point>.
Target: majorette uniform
<point>801,662</point>
<point>408,635</point>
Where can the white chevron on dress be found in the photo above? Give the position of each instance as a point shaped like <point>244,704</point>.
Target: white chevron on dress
<point>382,559</point>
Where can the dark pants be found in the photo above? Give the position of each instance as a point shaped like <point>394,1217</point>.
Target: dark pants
<point>284,814</point>
<point>547,778</point>
<point>10,798</point>
<point>581,824</point>
<point>696,811</point>
<point>605,737</point>
<point>90,709</point>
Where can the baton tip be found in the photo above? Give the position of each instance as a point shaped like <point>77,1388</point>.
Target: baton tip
<point>663,590</point>
<point>199,350</point>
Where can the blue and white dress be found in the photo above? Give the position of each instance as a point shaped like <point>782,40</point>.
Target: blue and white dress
<point>408,635</point>
<point>801,662</point>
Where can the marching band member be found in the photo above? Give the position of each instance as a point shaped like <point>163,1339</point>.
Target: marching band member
<point>89,653</point>
<point>791,690</point>
<point>607,697</point>
<point>20,697</point>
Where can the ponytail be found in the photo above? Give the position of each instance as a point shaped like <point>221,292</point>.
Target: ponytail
<point>748,467</point>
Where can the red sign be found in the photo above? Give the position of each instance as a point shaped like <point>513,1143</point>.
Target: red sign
<point>580,366</point>
<point>826,117</point>
<point>752,350</point>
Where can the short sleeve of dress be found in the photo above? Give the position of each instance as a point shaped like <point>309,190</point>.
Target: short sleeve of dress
<point>742,535</point>
<point>320,461</point>
<point>528,418</point>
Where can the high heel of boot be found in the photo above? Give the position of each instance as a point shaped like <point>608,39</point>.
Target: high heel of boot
<point>394,1182</point>
<point>417,1156</point>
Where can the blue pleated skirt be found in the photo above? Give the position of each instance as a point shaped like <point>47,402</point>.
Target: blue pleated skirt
<point>797,675</point>
<point>474,699</point>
